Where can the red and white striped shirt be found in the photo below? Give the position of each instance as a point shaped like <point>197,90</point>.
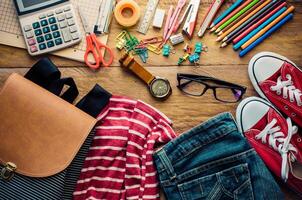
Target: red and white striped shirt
<point>119,164</point>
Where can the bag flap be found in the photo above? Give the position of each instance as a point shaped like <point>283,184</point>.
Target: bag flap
<point>40,132</point>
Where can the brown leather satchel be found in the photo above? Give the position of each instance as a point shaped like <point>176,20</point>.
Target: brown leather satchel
<point>40,133</point>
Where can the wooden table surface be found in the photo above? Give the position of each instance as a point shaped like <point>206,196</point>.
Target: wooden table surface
<point>185,111</point>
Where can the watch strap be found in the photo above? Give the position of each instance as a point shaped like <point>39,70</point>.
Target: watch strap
<point>128,61</point>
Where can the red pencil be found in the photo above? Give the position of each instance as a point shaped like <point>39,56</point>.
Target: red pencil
<point>247,31</point>
<point>231,14</point>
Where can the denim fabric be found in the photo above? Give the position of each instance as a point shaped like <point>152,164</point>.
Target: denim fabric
<point>214,161</point>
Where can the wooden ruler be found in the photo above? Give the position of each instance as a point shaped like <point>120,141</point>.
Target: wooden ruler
<point>149,13</point>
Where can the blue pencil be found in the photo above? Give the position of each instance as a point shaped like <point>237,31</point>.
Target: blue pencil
<point>225,13</point>
<point>266,35</point>
<point>254,32</point>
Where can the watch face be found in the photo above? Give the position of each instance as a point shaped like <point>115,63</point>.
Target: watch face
<point>160,88</point>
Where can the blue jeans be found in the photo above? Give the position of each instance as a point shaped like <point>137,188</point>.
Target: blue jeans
<point>214,161</point>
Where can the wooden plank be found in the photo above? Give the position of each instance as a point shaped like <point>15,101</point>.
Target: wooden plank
<point>185,111</point>
<point>286,41</point>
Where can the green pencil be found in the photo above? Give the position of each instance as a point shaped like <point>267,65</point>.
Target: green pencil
<point>237,15</point>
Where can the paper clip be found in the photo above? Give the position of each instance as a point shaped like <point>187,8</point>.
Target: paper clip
<point>121,35</point>
<point>153,40</point>
<point>121,40</point>
<point>153,49</point>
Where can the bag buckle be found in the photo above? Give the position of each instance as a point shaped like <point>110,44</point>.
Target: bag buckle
<point>8,171</point>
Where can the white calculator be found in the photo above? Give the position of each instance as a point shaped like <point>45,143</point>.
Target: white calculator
<point>47,25</point>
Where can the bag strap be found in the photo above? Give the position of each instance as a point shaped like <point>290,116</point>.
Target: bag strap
<point>94,101</point>
<point>45,74</point>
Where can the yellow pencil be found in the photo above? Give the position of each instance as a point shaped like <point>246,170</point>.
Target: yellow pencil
<point>224,34</point>
<point>260,33</point>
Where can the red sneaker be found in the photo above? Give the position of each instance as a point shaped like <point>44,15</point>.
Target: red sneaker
<point>278,80</point>
<point>274,138</point>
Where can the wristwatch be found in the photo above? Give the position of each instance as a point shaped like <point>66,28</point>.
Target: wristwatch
<point>159,87</point>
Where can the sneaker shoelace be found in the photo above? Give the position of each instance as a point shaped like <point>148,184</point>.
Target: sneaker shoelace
<point>277,140</point>
<point>288,90</point>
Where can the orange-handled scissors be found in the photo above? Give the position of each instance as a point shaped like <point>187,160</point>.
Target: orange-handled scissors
<point>94,47</point>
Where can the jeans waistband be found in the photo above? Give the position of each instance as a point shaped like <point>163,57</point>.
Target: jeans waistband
<point>199,136</point>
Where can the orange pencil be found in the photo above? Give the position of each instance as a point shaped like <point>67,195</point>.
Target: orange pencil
<point>243,20</point>
<point>219,32</point>
<point>231,14</point>
<point>260,33</point>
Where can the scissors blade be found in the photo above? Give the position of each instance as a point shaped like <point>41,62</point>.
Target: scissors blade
<point>84,21</point>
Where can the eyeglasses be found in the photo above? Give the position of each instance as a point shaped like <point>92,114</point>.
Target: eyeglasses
<point>197,85</point>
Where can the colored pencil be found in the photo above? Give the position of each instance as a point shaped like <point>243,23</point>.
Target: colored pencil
<point>266,11</point>
<point>240,18</point>
<point>243,20</point>
<point>231,14</point>
<point>266,35</point>
<point>226,12</point>
<point>254,26</point>
<point>254,32</point>
<point>261,32</point>
<point>238,14</point>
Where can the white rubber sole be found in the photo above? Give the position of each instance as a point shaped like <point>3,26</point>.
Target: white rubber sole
<point>246,101</point>
<point>251,72</point>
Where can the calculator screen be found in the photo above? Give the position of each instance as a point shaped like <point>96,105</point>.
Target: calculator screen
<point>28,6</point>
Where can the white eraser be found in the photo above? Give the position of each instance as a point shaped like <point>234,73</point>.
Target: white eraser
<point>158,18</point>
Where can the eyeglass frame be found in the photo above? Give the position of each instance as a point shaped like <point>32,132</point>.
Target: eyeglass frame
<point>200,79</point>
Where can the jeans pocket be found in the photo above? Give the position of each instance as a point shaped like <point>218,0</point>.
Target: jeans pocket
<point>232,183</point>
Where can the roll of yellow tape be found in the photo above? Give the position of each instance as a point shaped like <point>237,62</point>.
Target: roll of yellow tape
<point>134,13</point>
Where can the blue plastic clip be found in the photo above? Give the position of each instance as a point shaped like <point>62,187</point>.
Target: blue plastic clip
<point>166,50</point>
<point>194,58</point>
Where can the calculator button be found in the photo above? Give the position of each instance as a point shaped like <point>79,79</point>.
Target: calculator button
<point>48,36</point>
<point>44,22</point>
<point>70,22</point>
<point>66,35</point>
<point>36,25</point>
<point>58,41</point>
<point>67,9</point>
<point>58,11</point>
<point>31,41</point>
<point>75,36</point>
<point>33,48</point>
<point>68,15</point>
<point>63,24</point>
<point>50,14</point>
<point>50,44</point>
<point>56,34</point>
<point>27,28</point>
<point>52,20</point>
<point>40,39</point>
<point>46,29</point>
<point>42,16</point>
<point>29,34</point>
<point>54,27</point>
<point>61,17</point>
<point>38,32</point>
<point>42,46</point>
<point>73,29</point>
